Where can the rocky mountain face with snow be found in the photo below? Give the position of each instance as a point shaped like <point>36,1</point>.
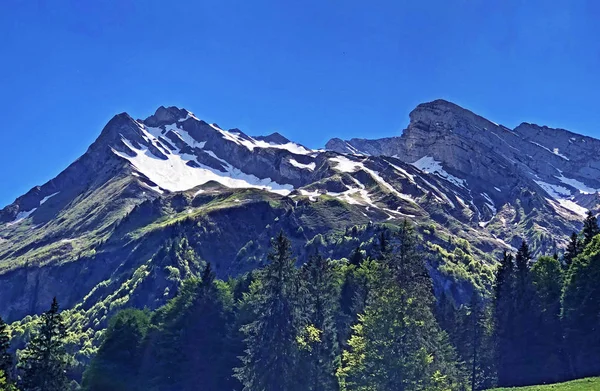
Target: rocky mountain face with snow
<point>552,171</point>
<point>94,234</point>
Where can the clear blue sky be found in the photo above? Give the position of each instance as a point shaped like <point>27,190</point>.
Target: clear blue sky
<point>312,69</point>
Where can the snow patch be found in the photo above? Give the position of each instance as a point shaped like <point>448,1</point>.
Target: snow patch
<point>47,198</point>
<point>310,166</point>
<point>402,171</point>
<point>21,216</point>
<point>555,191</point>
<point>490,203</point>
<point>554,151</point>
<point>582,187</point>
<point>429,165</point>
<point>312,195</point>
<point>251,143</point>
<point>569,205</point>
<point>174,174</point>
<point>561,196</point>
<point>344,164</point>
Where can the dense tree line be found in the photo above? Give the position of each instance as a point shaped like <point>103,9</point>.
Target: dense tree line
<point>43,364</point>
<point>363,324</point>
<point>369,322</point>
<point>546,315</point>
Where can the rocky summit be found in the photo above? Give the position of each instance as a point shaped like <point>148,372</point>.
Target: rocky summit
<point>101,235</point>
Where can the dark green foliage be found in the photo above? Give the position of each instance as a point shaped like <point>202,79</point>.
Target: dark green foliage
<point>44,361</point>
<point>524,319</point>
<point>318,340</point>
<point>547,355</point>
<point>353,293</point>
<point>590,228</point>
<point>383,247</point>
<point>527,327</point>
<point>397,344</point>
<point>503,312</point>
<point>192,349</point>
<point>5,383</point>
<point>573,249</point>
<point>356,257</point>
<point>366,324</point>
<point>121,352</point>
<point>184,345</point>
<point>349,302</point>
<point>477,344</point>
<point>581,311</point>
<point>271,357</point>
<point>6,359</point>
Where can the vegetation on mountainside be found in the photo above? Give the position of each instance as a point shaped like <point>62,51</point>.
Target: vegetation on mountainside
<point>367,320</point>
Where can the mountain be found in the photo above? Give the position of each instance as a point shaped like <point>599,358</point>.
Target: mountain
<point>115,228</point>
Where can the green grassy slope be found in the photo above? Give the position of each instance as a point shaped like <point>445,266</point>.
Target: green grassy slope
<point>589,384</point>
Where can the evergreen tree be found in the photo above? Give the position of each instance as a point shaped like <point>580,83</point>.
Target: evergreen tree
<point>271,355</point>
<point>573,249</point>
<point>476,324</point>
<point>547,354</point>
<point>581,311</point>
<point>522,260</point>
<point>44,361</point>
<point>524,321</point>
<point>122,352</point>
<point>503,315</point>
<point>408,265</point>
<point>397,344</point>
<point>353,297</point>
<point>356,257</point>
<point>469,331</point>
<point>206,354</point>
<point>383,247</point>
<point>319,339</point>
<point>348,294</point>
<point>6,360</point>
<point>446,315</point>
<point>590,228</point>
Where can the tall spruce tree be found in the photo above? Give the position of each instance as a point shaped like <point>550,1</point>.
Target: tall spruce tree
<point>271,358</point>
<point>397,343</point>
<point>353,294</point>
<point>204,326</point>
<point>475,327</point>
<point>44,361</point>
<point>319,338</point>
<point>524,319</point>
<point>383,246</point>
<point>547,355</point>
<point>121,352</point>
<point>503,313</point>
<point>590,228</point>
<point>573,249</point>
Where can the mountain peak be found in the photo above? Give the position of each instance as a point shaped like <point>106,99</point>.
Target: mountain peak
<point>275,138</point>
<point>166,115</point>
<point>443,113</point>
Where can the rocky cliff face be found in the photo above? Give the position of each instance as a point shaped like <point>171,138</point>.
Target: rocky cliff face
<point>559,165</point>
<point>97,234</point>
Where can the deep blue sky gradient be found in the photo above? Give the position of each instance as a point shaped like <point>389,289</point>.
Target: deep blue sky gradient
<point>312,69</point>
